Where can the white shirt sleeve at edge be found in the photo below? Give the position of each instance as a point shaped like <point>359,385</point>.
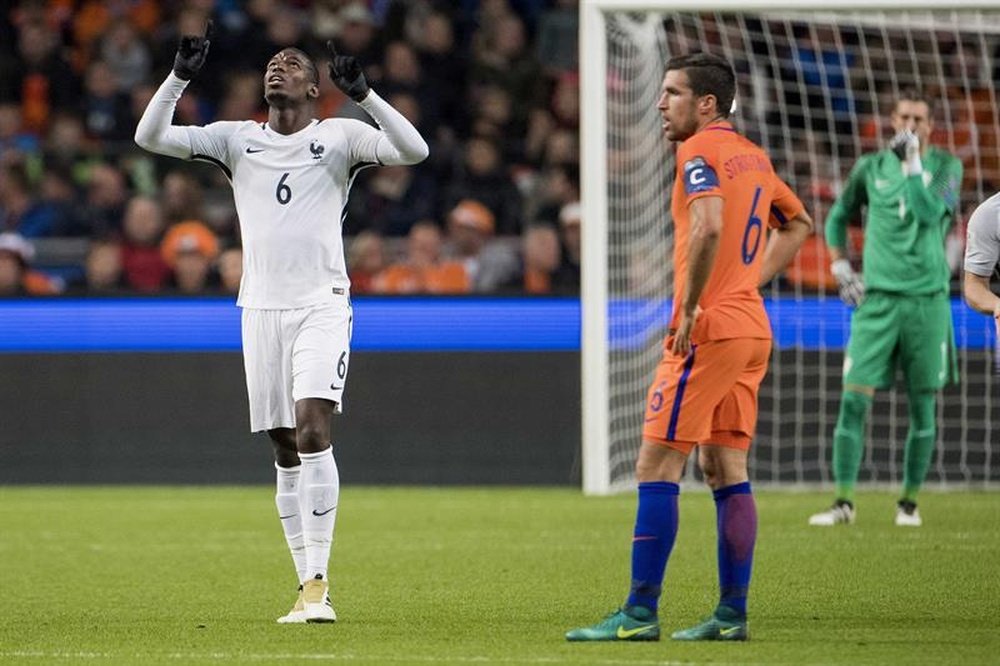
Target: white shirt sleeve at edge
<point>982,249</point>
<point>399,142</point>
<point>155,133</point>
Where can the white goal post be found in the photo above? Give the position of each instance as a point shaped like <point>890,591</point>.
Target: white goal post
<point>609,383</point>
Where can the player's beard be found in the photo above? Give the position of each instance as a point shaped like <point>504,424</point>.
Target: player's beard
<point>279,99</point>
<point>680,131</point>
<point>682,128</point>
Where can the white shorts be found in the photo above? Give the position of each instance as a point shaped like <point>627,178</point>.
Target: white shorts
<point>290,355</point>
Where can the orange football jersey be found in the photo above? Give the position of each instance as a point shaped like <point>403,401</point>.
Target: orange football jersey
<point>719,162</point>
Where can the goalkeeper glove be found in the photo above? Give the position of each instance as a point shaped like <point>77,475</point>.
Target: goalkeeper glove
<point>346,74</point>
<point>906,145</point>
<point>852,289</point>
<point>191,53</point>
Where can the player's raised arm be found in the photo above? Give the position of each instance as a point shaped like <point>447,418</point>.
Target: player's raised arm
<point>398,142</point>
<point>929,202</point>
<point>154,131</point>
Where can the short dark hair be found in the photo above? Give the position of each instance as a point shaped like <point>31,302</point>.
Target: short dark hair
<point>913,94</point>
<point>708,74</point>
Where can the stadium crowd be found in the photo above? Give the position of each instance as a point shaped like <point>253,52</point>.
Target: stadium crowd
<point>491,85</point>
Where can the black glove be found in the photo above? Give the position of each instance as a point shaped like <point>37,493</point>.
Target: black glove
<point>346,74</point>
<point>191,53</point>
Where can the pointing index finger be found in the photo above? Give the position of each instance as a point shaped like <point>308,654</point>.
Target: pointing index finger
<point>331,48</point>
<point>209,29</point>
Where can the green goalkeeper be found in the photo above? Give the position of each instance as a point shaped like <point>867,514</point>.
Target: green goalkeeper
<point>903,315</point>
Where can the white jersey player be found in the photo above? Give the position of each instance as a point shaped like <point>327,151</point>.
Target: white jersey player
<point>290,178</point>
<point>982,258</point>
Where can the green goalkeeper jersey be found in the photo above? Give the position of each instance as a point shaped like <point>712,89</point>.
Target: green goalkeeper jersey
<point>906,222</point>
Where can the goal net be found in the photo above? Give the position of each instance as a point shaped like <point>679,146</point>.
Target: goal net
<point>815,90</point>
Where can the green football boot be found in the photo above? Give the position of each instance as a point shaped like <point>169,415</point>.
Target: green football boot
<point>628,623</point>
<point>724,625</point>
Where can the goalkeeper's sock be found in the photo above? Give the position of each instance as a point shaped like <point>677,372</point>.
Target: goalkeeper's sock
<point>736,520</point>
<point>920,442</point>
<point>848,441</point>
<point>652,540</point>
<point>287,500</point>
<point>319,490</point>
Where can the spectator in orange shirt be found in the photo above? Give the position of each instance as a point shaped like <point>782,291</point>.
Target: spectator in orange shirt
<point>423,271</point>
<point>16,276</point>
<point>540,256</point>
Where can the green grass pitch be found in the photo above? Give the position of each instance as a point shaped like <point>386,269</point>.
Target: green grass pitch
<point>183,575</point>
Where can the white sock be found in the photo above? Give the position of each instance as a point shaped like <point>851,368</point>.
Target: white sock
<point>319,491</point>
<point>287,501</point>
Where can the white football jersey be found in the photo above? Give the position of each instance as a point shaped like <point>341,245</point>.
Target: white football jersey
<point>290,193</point>
<point>982,249</point>
<point>290,190</point>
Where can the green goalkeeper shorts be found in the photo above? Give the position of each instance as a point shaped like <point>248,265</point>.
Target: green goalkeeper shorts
<point>912,333</point>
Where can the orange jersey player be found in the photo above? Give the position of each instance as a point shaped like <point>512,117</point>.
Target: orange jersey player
<point>716,354</point>
<point>709,377</point>
<point>718,162</point>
